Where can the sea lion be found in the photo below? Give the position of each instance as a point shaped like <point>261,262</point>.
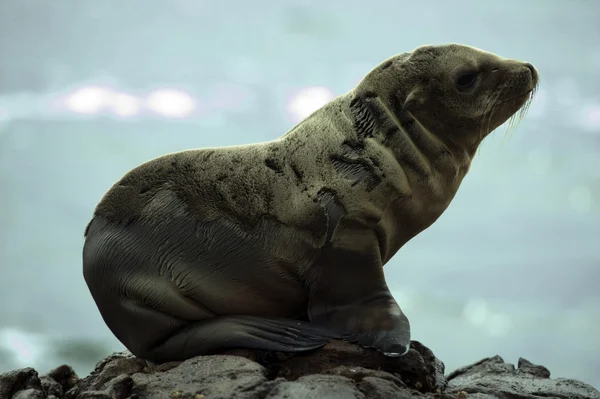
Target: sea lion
<point>281,245</point>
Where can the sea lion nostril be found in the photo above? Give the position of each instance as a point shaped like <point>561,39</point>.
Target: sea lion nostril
<point>531,68</point>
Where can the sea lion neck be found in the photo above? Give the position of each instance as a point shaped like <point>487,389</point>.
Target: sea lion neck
<point>415,141</point>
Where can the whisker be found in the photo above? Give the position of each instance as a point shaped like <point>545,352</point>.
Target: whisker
<point>489,110</point>
<point>490,115</point>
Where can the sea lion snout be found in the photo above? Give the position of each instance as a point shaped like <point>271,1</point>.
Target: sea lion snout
<point>524,72</point>
<point>535,77</point>
<point>521,81</point>
<point>532,70</point>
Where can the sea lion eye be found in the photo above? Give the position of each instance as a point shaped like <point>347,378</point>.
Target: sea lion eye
<point>466,80</point>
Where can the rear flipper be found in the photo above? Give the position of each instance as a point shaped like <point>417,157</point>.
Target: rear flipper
<point>161,337</point>
<point>151,317</point>
<point>230,332</point>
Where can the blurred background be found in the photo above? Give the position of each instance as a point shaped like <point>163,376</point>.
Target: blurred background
<point>89,89</point>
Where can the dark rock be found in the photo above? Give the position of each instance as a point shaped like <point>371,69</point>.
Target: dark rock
<point>13,382</point>
<point>317,386</point>
<point>338,370</point>
<point>493,378</point>
<point>419,369</point>
<point>525,366</point>
<point>212,376</point>
<point>64,375</point>
<point>51,387</point>
<point>358,374</point>
<point>379,388</point>
<point>111,377</point>
<point>58,381</point>
<point>30,393</point>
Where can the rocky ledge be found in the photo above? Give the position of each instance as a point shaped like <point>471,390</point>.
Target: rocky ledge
<point>339,370</point>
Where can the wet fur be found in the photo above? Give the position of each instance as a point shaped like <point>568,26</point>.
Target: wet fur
<point>280,245</point>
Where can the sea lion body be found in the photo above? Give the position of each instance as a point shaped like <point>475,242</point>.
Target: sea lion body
<point>280,245</point>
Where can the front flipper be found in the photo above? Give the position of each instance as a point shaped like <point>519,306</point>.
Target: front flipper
<point>352,294</point>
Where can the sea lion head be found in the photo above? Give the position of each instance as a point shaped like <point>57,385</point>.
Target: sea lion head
<point>455,91</point>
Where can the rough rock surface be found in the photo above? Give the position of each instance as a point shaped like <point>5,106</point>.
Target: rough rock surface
<point>339,370</point>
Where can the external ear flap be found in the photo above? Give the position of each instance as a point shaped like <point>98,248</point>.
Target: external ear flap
<point>414,99</point>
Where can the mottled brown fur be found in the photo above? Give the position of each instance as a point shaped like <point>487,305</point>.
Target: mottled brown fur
<point>206,249</point>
